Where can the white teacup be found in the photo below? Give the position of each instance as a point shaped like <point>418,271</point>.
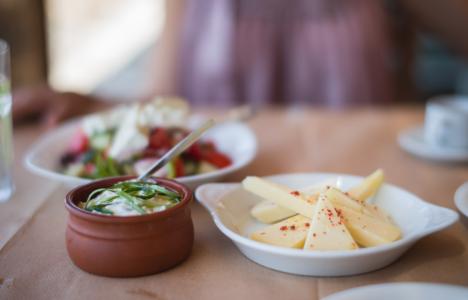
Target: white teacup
<point>446,122</point>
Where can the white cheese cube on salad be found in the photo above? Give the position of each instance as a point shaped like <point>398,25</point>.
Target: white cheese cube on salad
<point>129,137</point>
<point>165,112</point>
<point>101,122</point>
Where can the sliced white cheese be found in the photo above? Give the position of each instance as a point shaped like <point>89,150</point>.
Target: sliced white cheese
<point>270,212</point>
<point>341,199</point>
<point>327,231</point>
<point>368,231</point>
<point>368,187</point>
<point>281,195</point>
<point>289,233</point>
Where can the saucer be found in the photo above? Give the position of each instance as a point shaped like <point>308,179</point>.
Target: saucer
<point>412,140</point>
<point>403,291</point>
<point>461,199</point>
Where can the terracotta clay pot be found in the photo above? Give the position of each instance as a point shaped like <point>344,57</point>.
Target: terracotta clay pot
<point>128,246</point>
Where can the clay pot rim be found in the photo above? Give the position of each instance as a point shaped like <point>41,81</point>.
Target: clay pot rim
<point>72,197</point>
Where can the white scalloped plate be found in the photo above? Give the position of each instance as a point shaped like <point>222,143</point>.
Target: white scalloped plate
<point>461,199</point>
<point>403,291</point>
<point>235,139</point>
<point>230,207</point>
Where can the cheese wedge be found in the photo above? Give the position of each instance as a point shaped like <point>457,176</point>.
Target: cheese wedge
<point>289,233</point>
<point>368,187</point>
<point>328,231</point>
<point>368,231</point>
<point>270,212</point>
<point>281,195</point>
<point>340,199</point>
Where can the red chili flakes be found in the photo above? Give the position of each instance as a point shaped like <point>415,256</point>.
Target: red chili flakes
<point>307,224</point>
<point>295,193</point>
<point>339,212</point>
<point>283,228</point>
<point>314,234</point>
<point>346,193</point>
<point>292,227</point>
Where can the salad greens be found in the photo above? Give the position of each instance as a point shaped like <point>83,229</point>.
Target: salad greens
<point>88,155</point>
<point>131,198</point>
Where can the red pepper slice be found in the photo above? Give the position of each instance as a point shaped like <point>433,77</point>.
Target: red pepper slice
<point>217,159</point>
<point>179,167</point>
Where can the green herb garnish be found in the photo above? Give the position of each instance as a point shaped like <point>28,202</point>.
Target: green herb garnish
<point>134,197</point>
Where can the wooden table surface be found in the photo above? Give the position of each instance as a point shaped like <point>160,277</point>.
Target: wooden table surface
<point>34,263</point>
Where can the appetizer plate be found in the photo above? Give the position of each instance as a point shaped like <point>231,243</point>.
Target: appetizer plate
<point>403,291</point>
<point>235,139</point>
<point>230,205</point>
<point>412,141</point>
<point>461,199</point>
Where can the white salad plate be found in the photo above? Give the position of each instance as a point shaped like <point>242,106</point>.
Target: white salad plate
<point>412,141</point>
<point>403,291</point>
<point>235,139</point>
<point>461,199</point>
<point>229,205</point>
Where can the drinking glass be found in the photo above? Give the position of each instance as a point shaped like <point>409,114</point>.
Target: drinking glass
<point>6,142</point>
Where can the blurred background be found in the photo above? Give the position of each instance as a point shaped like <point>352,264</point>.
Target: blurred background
<point>83,46</point>
<point>105,47</point>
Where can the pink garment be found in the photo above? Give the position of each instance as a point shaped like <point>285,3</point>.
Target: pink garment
<point>326,52</point>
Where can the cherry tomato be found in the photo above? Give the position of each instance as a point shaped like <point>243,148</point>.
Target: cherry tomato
<point>89,168</point>
<point>79,143</point>
<point>159,139</point>
<point>195,151</point>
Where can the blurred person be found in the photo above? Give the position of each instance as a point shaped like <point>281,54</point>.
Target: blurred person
<point>319,52</point>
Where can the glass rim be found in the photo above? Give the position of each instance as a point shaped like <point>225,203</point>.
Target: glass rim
<point>3,47</point>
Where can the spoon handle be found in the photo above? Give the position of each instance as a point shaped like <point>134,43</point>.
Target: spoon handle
<point>178,149</point>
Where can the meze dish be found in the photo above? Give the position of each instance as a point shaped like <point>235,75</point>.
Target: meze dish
<point>321,217</point>
<point>231,207</point>
<point>129,198</point>
<point>127,140</point>
<point>120,227</point>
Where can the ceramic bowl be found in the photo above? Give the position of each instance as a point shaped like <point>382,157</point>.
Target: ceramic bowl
<point>230,205</point>
<point>128,246</point>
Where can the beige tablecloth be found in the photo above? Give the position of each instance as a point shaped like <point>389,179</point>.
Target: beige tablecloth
<point>34,263</point>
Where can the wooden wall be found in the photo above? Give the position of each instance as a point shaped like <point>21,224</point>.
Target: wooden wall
<point>22,25</point>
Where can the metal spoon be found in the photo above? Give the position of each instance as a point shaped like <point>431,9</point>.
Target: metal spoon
<point>177,149</point>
